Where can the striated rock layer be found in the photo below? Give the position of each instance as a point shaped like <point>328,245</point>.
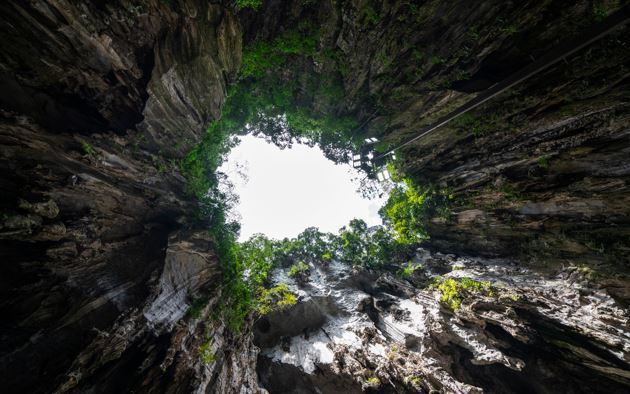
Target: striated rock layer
<point>100,257</point>
<point>355,330</point>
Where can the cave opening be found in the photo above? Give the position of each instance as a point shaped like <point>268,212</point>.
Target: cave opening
<point>498,261</point>
<point>280,192</point>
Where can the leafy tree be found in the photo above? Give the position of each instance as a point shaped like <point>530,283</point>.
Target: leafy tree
<point>409,207</point>
<point>257,256</point>
<point>371,248</point>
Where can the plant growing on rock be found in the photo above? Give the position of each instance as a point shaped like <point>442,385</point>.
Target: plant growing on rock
<point>408,270</point>
<point>299,271</point>
<point>455,290</point>
<point>205,351</point>
<point>278,297</point>
<point>87,149</point>
<point>413,380</point>
<point>543,162</point>
<point>253,4</point>
<point>372,382</point>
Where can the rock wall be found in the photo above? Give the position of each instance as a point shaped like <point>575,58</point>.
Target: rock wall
<point>540,172</point>
<point>100,256</point>
<point>101,259</point>
<point>354,331</point>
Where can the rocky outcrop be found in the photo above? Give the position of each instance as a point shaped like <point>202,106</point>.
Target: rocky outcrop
<point>379,332</point>
<point>101,259</point>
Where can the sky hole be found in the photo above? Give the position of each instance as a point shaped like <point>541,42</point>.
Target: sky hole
<point>283,191</point>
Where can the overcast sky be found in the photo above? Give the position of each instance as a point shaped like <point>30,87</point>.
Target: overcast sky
<point>290,189</point>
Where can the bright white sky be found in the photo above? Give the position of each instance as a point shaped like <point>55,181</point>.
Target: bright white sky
<point>288,190</point>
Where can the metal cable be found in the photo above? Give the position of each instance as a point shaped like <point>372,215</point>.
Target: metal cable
<point>561,52</point>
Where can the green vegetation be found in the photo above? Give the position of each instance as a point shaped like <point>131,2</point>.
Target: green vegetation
<point>194,312</point>
<point>87,149</point>
<point>601,11</point>
<point>409,208</point>
<point>277,297</point>
<point>472,124</point>
<point>413,380</point>
<point>543,162</point>
<point>299,271</point>
<point>263,56</point>
<point>371,248</point>
<point>408,270</point>
<point>373,381</point>
<point>253,4</point>
<point>511,193</point>
<point>434,60</point>
<point>455,290</point>
<point>205,350</point>
<point>370,16</point>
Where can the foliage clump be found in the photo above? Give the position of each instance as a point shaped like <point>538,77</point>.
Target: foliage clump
<point>263,56</point>
<point>372,382</point>
<point>414,380</point>
<point>206,353</point>
<point>194,311</point>
<point>278,297</point>
<point>253,4</point>
<point>408,270</point>
<point>299,271</point>
<point>455,290</point>
<point>87,149</point>
<point>409,207</point>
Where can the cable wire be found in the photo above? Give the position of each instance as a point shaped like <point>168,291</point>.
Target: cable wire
<point>561,52</point>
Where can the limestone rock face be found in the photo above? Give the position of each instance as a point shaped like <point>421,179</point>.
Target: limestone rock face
<point>102,263</point>
<point>100,257</point>
<point>539,172</point>
<point>353,331</point>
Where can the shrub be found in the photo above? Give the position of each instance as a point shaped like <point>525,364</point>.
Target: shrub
<point>278,297</point>
<point>299,270</point>
<point>454,291</point>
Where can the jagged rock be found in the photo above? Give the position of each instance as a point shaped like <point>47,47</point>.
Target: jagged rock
<point>489,343</point>
<point>100,257</point>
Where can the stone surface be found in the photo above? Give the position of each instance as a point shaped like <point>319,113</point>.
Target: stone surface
<point>101,258</point>
<point>356,330</point>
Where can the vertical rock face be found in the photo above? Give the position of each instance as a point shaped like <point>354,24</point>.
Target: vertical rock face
<point>539,175</point>
<point>539,172</point>
<point>100,261</point>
